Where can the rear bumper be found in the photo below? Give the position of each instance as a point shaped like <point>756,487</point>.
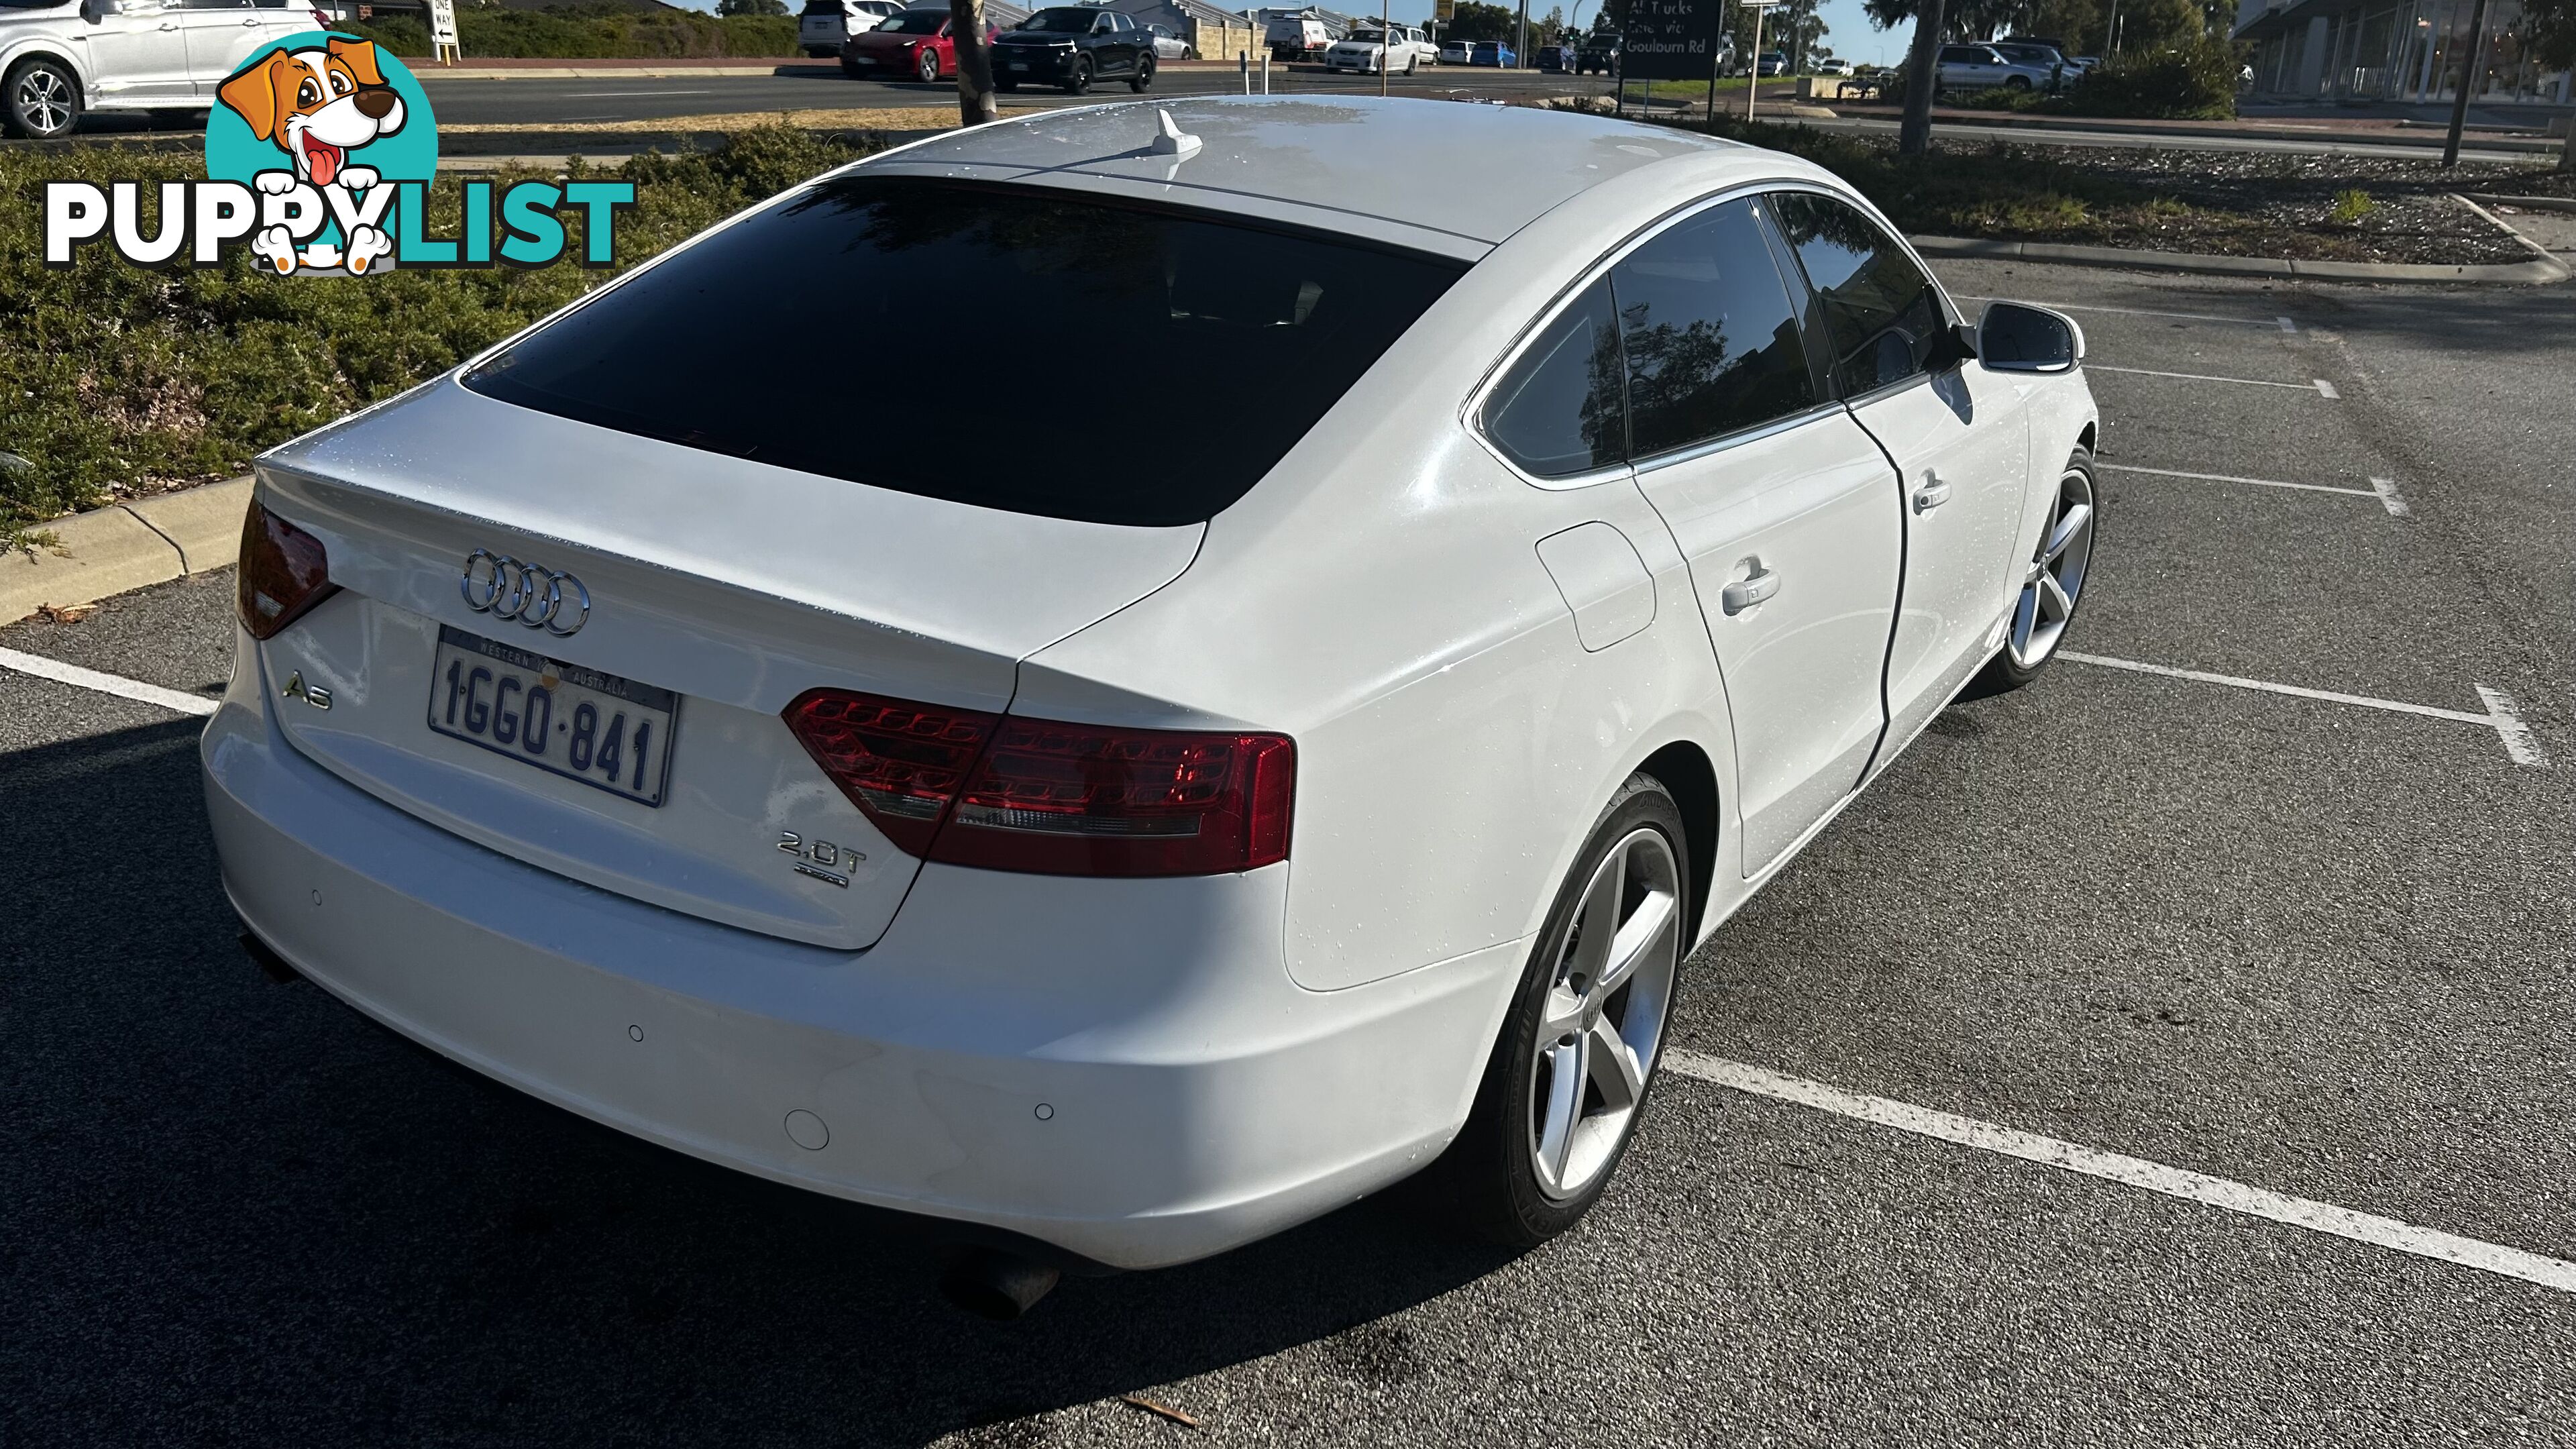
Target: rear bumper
<point>1121,1069</point>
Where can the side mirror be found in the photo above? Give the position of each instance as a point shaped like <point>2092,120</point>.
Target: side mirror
<point>95,11</point>
<point>1951,346</point>
<point>2016,337</point>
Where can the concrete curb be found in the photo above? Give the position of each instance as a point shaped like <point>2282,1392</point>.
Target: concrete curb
<point>2536,272</point>
<point>807,69</point>
<point>2256,131</point>
<point>2524,203</point>
<point>127,546</point>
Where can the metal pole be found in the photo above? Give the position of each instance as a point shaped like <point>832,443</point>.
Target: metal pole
<point>1243,67</point>
<point>1265,72</point>
<point>1385,46</point>
<point>1520,45</point>
<point>2470,68</point>
<point>1753,82</point>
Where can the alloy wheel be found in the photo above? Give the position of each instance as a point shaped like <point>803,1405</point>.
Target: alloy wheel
<point>1605,1013</point>
<point>42,101</point>
<point>2056,577</point>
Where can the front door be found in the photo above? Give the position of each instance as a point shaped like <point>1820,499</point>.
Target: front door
<point>140,57</point>
<point>1784,507</point>
<point>1957,434</point>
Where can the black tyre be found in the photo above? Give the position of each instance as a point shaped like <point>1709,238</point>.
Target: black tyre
<point>1078,79</point>
<point>854,72</point>
<point>2054,587</point>
<point>40,100</point>
<point>1567,1083</point>
<point>1143,79</point>
<point>2016,82</point>
<point>926,66</point>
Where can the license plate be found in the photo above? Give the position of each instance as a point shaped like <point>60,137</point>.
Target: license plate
<point>609,733</point>
<point>1019,65</point>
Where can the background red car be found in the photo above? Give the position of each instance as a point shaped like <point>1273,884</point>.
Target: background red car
<point>916,42</point>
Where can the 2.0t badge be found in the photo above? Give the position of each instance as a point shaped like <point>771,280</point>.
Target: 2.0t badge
<point>539,597</point>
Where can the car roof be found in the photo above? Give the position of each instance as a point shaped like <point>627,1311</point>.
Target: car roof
<point>1474,172</point>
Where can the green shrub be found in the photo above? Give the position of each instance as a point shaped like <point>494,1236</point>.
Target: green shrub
<point>2006,98</point>
<point>2350,206</point>
<point>120,376</point>
<point>2194,80</point>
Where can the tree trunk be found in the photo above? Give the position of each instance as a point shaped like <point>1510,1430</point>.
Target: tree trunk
<point>975,103</point>
<point>1922,68</point>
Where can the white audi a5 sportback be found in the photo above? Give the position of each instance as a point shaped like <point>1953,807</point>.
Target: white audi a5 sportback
<point>1128,843</point>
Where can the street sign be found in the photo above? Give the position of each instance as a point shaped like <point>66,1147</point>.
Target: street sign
<point>1671,40</point>
<point>1445,11</point>
<point>442,32</point>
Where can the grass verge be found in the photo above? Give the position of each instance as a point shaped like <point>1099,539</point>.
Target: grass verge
<point>122,380</point>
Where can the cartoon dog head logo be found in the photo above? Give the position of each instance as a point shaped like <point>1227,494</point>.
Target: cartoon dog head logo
<point>320,105</point>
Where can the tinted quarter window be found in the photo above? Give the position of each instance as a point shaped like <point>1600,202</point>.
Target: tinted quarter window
<point>753,341</point>
<point>1880,310</point>
<point>1711,338</point>
<point>1560,409</point>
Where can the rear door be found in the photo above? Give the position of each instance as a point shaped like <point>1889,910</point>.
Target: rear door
<point>221,35</point>
<point>1783,506</point>
<point>1958,436</point>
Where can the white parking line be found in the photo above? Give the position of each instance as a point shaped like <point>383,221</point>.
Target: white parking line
<point>2501,714</point>
<point>2386,488</point>
<point>2138,1172</point>
<point>2373,493</point>
<point>116,684</point>
<point>604,95</point>
<point>2319,386</point>
<point>2284,323</point>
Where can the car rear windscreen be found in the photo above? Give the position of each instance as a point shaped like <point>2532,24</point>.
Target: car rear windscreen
<point>1010,349</point>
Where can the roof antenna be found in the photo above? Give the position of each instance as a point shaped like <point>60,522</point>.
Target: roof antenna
<point>1171,140</point>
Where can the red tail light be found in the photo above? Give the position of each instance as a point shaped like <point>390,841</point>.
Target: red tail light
<point>283,573</point>
<point>1007,793</point>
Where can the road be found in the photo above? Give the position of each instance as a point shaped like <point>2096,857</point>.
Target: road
<point>2309,944</point>
<point>532,101</point>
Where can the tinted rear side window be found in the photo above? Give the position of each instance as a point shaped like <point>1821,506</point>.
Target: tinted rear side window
<point>1561,408</point>
<point>1712,340</point>
<point>1879,306</point>
<point>1194,353</point>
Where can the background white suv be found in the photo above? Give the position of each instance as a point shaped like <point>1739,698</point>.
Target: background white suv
<point>826,23</point>
<point>60,58</point>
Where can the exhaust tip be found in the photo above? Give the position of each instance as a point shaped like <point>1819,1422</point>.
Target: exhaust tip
<point>996,1285</point>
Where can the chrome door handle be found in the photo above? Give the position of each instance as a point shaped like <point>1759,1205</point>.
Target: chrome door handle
<point>1931,495</point>
<point>254,20</point>
<point>1744,593</point>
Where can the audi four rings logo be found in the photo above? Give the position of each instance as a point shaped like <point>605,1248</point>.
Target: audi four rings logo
<point>501,586</point>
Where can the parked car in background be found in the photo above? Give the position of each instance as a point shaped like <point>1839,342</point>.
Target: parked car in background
<point>1457,52</point>
<point>1598,53</point>
<point>1168,46</point>
<point>1557,59</point>
<point>1981,67</point>
<point>828,24</point>
<point>1301,37</point>
<point>1401,53</point>
<point>2080,66</point>
<point>1772,62</point>
<point>1070,46</point>
<point>1494,53</point>
<point>2039,56</point>
<point>59,59</point>
<point>916,43</point>
<point>1836,68</point>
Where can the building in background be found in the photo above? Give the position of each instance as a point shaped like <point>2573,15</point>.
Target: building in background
<point>2391,50</point>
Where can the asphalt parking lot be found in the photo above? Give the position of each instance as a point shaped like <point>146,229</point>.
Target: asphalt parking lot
<point>2294,914</point>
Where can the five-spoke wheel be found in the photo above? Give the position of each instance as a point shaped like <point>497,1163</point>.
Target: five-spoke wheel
<point>1569,1076</point>
<point>2052,583</point>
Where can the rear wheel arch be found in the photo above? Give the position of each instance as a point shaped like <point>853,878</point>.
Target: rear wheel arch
<point>79,72</point>
<point>1684,768</point>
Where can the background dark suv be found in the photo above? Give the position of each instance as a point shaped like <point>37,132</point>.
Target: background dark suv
<point>1071,46</point>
